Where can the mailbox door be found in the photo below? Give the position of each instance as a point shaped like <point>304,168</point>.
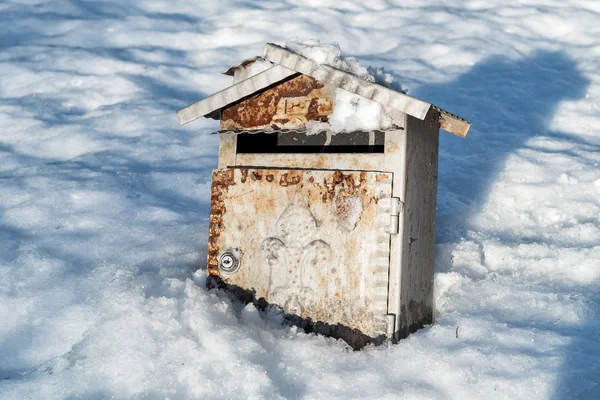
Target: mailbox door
<point>313,242</point>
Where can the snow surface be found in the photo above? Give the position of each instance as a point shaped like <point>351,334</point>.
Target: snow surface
<point>104,201</point>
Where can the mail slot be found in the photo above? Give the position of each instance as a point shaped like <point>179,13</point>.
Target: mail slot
<point>336,229</point>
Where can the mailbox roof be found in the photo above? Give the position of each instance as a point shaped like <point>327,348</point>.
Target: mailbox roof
<point>231,70</point>
<point>288,63</point>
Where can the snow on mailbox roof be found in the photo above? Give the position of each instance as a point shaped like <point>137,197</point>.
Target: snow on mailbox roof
<point>287,63</point>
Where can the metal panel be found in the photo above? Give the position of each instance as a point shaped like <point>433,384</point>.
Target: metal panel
<point>347,161</point>
<point>452,123</point>
<point>288,64</point>
<point>290,104</point>
<point>227,149</point>
<point>311,241</point>
<point>233,93</point>
<point>418,224</point>
<point>395,161</point>
<point>347,81</point>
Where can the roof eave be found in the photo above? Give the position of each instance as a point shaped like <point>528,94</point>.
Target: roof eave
<point>387,97</point>
<point>288,63</point>
<point>231,70</point>
<point>347,81</point>
<point>233,93</point>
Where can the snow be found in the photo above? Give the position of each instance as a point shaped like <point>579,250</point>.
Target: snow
<point>259,65</point>
<point>329,54</point>
<point>351,112</point>
<point>104,202</point>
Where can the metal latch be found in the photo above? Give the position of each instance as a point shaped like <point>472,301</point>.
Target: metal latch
<point>396,207</point>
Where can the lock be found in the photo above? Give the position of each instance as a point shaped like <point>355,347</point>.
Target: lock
<point>228,263</point>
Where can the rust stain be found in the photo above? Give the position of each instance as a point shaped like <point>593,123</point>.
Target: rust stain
<point>348,210</point>
<point>289,178</point>
<point>381,177</point>
<point>344,192</point>
<point>363,177</point>
<point>242,194</point>
<point>391,147</point>
<point>319,110</point>
<point>256,175</point>
<point>342,208</point>
<point>221,180</point>
<point>350,188</point>
<point>289,104</point>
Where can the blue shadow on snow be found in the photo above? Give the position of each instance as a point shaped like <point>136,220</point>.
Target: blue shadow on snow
<point>508,102</point>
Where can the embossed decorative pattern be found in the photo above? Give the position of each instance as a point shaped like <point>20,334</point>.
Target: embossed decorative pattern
<point>310,241</point>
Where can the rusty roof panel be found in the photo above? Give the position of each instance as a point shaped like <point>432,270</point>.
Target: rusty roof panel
<point>290,104</point>
<point>233,93</point>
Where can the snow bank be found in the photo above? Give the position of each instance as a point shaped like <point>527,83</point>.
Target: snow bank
<point>104,203</point>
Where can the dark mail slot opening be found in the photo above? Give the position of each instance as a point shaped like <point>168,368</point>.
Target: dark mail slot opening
<point>300,142</point>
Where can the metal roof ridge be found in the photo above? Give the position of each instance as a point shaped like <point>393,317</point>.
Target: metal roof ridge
<point>233,93</point>
<point>347,81</point>
<point>287,63</point>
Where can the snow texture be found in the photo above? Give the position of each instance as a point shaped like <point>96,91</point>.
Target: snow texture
<point>258,66</point>
<point>104,202</point>
<point>351,112</point>
<point>331,54</point>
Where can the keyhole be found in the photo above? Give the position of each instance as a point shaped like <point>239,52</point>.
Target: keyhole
<point>228,263</point>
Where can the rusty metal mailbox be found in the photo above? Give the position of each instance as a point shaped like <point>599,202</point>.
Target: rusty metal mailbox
<point>337,230</point>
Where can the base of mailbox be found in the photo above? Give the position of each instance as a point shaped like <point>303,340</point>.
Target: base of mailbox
<point>354,337</point>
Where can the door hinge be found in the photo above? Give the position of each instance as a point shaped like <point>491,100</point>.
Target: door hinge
<point>396,207</point>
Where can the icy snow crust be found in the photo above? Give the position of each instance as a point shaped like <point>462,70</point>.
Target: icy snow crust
<point>104,202</point>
